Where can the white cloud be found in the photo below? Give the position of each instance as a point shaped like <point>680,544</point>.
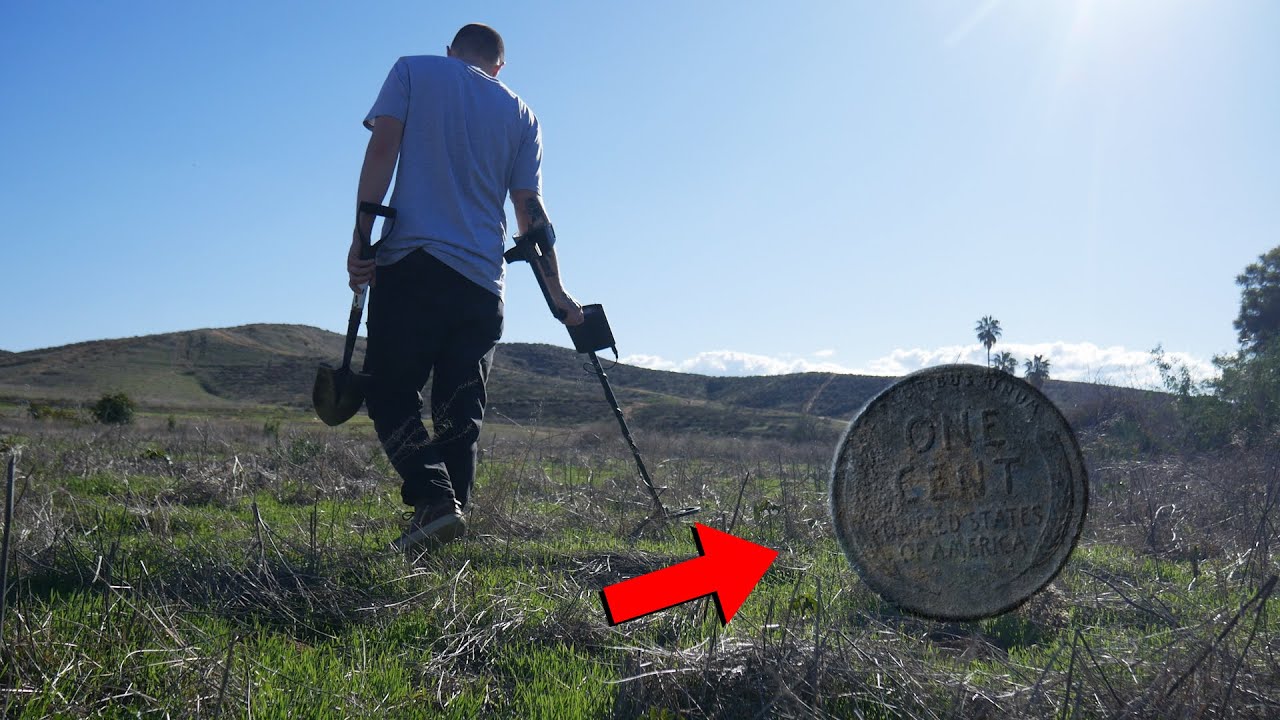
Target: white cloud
<point>653,362</point>
<point>732,362</point>
<point>1082,361</point>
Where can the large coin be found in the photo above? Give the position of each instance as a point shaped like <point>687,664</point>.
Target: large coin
<point>958,492</point>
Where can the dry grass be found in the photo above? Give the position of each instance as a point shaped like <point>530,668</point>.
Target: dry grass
<point>220,570</point>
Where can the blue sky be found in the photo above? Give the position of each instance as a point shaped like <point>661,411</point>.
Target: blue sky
<point>747,187</point>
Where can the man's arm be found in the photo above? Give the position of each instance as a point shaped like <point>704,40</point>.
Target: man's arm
<point>375,177</point>
<point>530,215</point>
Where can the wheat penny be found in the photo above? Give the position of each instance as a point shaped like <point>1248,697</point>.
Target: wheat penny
<point>958,492</point>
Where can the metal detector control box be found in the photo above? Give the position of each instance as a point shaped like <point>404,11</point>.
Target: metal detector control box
<point>593,334</point>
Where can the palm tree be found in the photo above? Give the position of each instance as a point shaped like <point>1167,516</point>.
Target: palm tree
<point>988,330</point>
<point>1006,362</point>
<point>1037,370</point>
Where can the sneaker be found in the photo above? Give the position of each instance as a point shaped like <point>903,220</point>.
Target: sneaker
<point>432,526</point>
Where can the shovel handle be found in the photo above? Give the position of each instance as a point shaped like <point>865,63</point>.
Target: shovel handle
<point>366,252</point>
<point>353,325</point>
<point>373,208</point>
<point>358,299</point>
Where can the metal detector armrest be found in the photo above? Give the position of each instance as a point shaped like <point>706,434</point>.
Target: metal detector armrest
<point>531,245</point>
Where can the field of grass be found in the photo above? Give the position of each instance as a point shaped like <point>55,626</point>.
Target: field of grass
<point>237,568</point>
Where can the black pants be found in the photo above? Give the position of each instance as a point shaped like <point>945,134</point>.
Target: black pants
<point>425,319</point>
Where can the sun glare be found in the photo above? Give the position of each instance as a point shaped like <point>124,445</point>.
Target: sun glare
<point>1088,31</point>
<point>1116,30</point>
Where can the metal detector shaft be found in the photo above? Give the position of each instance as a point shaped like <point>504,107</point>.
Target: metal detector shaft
<point>529,248</point>
<point>626,432</point>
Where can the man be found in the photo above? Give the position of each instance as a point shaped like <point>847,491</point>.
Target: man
<point>463,141</point>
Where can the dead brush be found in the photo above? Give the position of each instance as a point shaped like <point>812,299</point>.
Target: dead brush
<point>791,665</point>
<point>1216,507</point>
<point>123,603</point>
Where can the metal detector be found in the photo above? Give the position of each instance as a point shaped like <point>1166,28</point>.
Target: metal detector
<point>592,335</point>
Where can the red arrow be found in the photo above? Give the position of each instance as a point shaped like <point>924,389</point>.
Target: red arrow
<point>729,566</point>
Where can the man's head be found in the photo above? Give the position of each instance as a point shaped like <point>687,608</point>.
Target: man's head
<point>478,45</point>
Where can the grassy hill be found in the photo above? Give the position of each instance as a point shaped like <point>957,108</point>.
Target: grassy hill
<point>268,365</point>
<point>213,368</point>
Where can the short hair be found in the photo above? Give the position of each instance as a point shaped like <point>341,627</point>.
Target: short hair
<point>479,41</point>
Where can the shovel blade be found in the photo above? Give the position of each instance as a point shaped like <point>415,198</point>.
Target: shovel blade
<point>338,394</point>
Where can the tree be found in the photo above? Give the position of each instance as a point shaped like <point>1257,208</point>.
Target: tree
<point>988,330</point>
<point>1006,362</point>
<point>1249,380</point>
<point>1242,404</point>
<point>1037,370</point>
<point>1259,319</point>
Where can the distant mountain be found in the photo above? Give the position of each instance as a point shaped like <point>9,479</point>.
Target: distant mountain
<point>225,369</point>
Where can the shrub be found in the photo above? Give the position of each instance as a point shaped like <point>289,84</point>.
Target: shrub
<point>1250,386</point>
<point>303,450</point>
<point>113,409</point>
<point>154,452</point>
<point>1240,406</point>
<point>12,443</point>
<point>45,411</point>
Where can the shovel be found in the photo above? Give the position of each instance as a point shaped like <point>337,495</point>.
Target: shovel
<point>338,392</point>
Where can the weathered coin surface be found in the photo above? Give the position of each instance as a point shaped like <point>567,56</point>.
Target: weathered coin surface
<point>958,492</point>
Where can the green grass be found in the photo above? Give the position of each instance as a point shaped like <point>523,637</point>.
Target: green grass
<point>230,571</point>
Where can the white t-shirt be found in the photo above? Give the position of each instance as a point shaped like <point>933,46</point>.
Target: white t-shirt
<point>468,141</point>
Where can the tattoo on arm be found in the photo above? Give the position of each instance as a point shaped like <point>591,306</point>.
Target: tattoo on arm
<point>537,216</point>
<point>547,270</point>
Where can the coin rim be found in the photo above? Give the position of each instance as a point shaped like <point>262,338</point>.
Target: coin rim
<point>847,545</point>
